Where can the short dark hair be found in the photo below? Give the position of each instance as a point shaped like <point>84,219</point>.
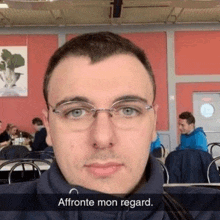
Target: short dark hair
<point>97,46</point>
<point>37,121</point>
<point>188,116</point>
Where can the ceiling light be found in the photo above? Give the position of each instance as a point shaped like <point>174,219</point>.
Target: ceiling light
<point>3,5</point>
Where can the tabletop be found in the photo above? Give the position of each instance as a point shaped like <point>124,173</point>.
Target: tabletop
<point>40,164</point>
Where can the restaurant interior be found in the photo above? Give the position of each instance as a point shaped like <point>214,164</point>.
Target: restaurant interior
<point>180,38</point>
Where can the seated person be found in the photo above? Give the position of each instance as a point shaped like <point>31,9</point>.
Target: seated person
<point>2,142</point>
<point>39,143</point>
<point>155,143</point>
<point>191,137</point>
<point>9,134</point>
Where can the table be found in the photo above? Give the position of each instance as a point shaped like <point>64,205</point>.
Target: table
<point>41,165</point>
<point>212,185</point>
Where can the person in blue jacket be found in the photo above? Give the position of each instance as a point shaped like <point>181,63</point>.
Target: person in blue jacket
<point>156,143</point>
<point>100,89</point>
<point>191,137</point>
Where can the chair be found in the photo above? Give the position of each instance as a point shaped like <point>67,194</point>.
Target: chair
<point>212,145</point>
<point>209,168</point>
<point>40,154</point>
<point>160,153</point>
<point>190,166</point>
<point>11,165</point>
<point>13,152</point>
<point>23,163</point>
<point>166,173</point>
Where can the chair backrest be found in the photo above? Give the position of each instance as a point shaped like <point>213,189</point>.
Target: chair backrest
<point>212,145</point>
<point>209,169</point>
<point>13,152</point>
<point>11,165</point>
<point>22,164</point>
<point>190,166</point>
<point>160,153</point>
<point>40,155</point>
<point>166,173</point>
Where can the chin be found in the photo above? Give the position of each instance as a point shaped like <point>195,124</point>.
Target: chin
<point>112,190</point>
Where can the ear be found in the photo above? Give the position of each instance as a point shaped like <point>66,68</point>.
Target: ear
<point>154,134</point>
<point>46,124</point>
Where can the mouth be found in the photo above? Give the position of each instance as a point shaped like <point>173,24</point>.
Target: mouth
<point>103,170</point>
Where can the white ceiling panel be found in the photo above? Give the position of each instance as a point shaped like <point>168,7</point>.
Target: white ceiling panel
<point>145,15</point>
<point>200,15</point>
<point>87,15</point>
<point>98,12</point>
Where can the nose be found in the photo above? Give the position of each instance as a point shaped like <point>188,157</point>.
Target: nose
<point>103,131</point>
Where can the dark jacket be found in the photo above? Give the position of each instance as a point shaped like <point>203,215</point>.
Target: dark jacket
<point>4,136</point>
<point>39,143</point>
<point>46,192</point>
<point>190,166</point>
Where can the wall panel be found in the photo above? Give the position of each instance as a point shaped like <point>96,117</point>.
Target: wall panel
<point>21,110</point>
<point>197,52</point>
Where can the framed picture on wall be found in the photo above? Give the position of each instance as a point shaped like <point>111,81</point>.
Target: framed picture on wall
<point>13,71</point>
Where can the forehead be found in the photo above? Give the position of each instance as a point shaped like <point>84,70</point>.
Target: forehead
<point>183,121</point>
<point>118,75</point>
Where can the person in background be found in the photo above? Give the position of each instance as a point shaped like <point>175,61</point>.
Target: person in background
<point>156,143</point>
<point>3,142</point>
<point>39,143</point>
<point>9,134</point>
<point>155,147</point>
<point>191,137</point>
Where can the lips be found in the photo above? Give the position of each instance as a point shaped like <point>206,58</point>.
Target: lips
<point>103,170</point>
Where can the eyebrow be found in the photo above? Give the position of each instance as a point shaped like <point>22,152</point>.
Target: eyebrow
<point>128,97</point>
<point>71,99</point>
<point>84,99</point>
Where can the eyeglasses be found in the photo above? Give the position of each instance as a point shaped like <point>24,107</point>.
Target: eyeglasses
<point>125,114</point>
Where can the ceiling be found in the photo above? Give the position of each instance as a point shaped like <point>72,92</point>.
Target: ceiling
<point>107,12</point>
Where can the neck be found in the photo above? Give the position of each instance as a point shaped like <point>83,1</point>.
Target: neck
<point>191,131</point>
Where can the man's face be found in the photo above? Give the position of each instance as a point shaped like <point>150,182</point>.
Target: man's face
<point>36,128</point>
<point>102,157</point>
<point>184,127</point>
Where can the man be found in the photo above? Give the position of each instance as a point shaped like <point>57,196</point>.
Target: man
<point>99,89</point>
<point>39,143</point>
<point>191,137</point>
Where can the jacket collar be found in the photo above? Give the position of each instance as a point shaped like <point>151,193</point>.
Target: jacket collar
<point>53,182</point>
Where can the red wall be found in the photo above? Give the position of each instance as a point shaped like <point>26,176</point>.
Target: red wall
<point>197,52</point>
<point>21,110</point>
<point>154,45</point>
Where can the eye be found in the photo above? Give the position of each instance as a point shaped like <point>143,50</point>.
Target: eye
<point>74,113</point>
<point>128,111</point>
